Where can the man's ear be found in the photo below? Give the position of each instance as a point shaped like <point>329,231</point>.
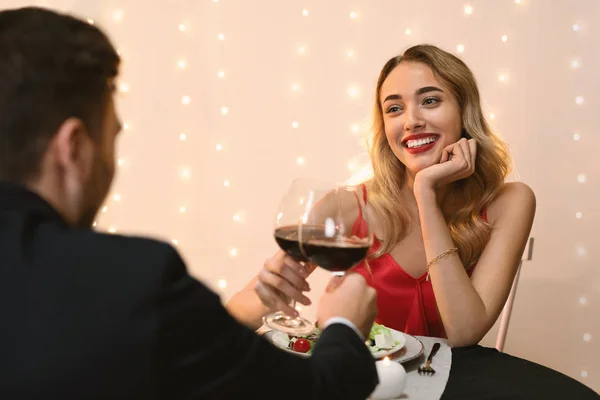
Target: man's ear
<point>73,149</point>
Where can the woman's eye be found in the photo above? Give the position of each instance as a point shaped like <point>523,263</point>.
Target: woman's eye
<point>430,100</point>
<point>393,109</point>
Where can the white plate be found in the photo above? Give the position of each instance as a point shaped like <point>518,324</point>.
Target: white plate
<point>408,349</point>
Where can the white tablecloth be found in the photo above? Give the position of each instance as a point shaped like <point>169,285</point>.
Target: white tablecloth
<point>423,387</point>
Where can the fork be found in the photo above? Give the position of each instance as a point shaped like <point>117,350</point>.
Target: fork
<point>427,370</point>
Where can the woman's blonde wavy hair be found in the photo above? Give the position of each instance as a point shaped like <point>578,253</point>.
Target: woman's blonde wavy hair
<point>463,205</point>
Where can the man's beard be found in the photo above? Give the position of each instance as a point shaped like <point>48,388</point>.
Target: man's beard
<point>95,193</point>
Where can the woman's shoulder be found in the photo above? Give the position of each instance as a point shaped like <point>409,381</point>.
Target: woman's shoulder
<point>512,197</point>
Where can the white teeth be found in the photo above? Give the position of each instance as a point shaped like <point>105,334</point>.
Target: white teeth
<point>420,142</point>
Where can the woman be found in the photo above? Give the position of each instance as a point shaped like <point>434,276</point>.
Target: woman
<point>449,231</point>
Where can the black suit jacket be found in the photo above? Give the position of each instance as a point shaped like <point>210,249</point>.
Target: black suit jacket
<point>88,315</point>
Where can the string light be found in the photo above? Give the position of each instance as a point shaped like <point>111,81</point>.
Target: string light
<point>460,48</point>
<point>517,1</point>
<point>222,282</point>
<point>126,126</point>
<point>112,230</point>
<point>587,337</point>
<point>468,10</point>
<point>353,15</point>
<point>104,209</point>
<point>300,160</point>
<point>583,300</point>
<point>124,88</point>
<point>186,173</point>
<point>492,116</point>
<point>295,124</point>
<point>578,215</point>
<point>117,197</point>
<point>233,252</point>
<point>181,27</point>
<point>237,218</point>
<point>224,110</point>
<point>581,251</point>
<point>185,100</point>
<point>181,64</point>
<point>305,13</point>
<point>408,32</point>
<point>121,162</point>
<point>118,15</point>
<point>94,224</point>
<point>355,129</point>
<point>226,183</point>
<point>576,27</point>
<point>502,78</point>
<point>301,50</point>
<point>504,38</point>
<point>584,374</point>
<point>175,242</point>
<point>182,137</point>
<point>575,64</point>
<point>576,136</point>
<point>353,91</point>
<point>219,147</point>
<point>221,36</point>
<point>581,178</point>
<point>182,209</point>
<point>221,74</point>
<point>350,53</point>
<point>579,100</point>
<point>295,87</point>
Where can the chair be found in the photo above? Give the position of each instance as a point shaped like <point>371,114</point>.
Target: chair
<point>505,318</point>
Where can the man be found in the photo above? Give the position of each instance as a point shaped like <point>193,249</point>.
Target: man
<point>88,315</point>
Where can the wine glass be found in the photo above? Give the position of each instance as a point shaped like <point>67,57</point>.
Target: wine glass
<point>334,233</point>
<point>289,218</point>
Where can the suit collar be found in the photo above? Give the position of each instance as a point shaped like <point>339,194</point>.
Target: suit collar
<point>18,197</point>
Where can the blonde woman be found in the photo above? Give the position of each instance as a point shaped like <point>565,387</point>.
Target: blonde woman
<point>449,231</point>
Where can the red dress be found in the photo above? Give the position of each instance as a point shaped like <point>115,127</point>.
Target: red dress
<point>405,304</point>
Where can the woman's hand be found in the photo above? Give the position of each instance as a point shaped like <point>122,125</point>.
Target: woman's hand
<point>282,279</point>
<point>457,162</point>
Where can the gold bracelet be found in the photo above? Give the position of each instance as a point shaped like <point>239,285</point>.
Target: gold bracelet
<point>444,254</point>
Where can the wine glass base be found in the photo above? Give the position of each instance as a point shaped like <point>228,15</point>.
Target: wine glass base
<point>282,322</point>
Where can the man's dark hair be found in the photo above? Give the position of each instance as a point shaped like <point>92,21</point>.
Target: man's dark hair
<point>52,66</point>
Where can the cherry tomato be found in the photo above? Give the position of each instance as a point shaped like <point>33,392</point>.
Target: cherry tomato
<point>302,346</point>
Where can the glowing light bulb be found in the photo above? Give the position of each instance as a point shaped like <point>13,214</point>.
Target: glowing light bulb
<point>584,374</point>
<point>181,27</point>
<point>504,38</point>
<point>305,13</point>
<point>185,100</point>
<point>182,209</point>
<point>295,87</point>
<point>587,337</point>
<point>579,100</point>
<point>468,10</point>
<point>124,88</point>
<point>353,91</point>
<point>460,48</point>
<point>300,160</point>
<point>502,78</point>
<point>221,36</point>
<point>295,124</point>
<point>104,209</point>
<point>112,230</point>
<point>575,64</point>
<point>218,147</point>
<point>186,173</point>
<point>182,137</point>
<point>353,15</point>
<point>576,27</point>
<point>95,223</point>
<point>233,252</point>
<point>576,136</point>
<point>236,218</point>
<point>583,300</point>
<point>492,116</point>
<point>121,162</point>
<point>408,32</point>
<point>118,15</point>
<point>117,197</point>
<point>517,1</point>
<point>581,178</point>
<point>578,215</point>
<point>301,50</point>
<point>222,283</point>
<point>355,129</point>
<point>350,53</point>
<point>226,183</point>
<point>181,64</point>
<point>221,74</point>
<point>224,110</point>
<point>581,251</point>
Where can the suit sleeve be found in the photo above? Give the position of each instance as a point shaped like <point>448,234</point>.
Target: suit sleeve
<point>204,353</point>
